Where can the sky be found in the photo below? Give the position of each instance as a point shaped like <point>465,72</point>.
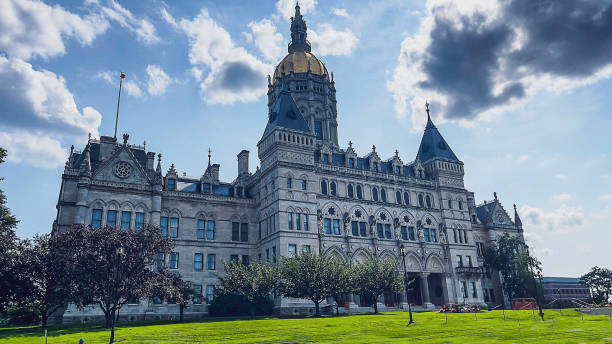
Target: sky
<point>518,88</point>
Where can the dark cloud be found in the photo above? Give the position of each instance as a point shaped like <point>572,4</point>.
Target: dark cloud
<point>239,77</point>
<point>479,66</point>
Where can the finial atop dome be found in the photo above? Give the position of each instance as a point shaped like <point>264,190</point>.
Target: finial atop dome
<point>298,33</point>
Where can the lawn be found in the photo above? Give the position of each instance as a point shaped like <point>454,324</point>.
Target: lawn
<point>519,327</point>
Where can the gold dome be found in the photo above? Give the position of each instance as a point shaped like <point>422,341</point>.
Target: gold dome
<point>297,62</point>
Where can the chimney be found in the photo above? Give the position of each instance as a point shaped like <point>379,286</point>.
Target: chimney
<point>107,146</point>
<point>243,163</point>
<point>150,160</point>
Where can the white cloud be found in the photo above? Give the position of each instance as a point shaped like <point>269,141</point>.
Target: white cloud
<point>605,197</point>
<point>267,39</point>
<point>33,28</point>
<point>34,149</point>
<point>143,28</point>
<point>561,197</point>
<point>196,73</point>
<point>542,251</point>
<point>340,12</point>
<point>286,8</point>
<point>132,88</point>
<point>523,158</point>
<point>233,73</point>
<point>38,111</point>
<point>561,176</point>
<point>105,75</point>
<point>158,80</point>
<point>326,40</point>
<point>563,219</point>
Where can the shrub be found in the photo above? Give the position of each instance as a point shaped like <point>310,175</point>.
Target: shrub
<point>224,305</point>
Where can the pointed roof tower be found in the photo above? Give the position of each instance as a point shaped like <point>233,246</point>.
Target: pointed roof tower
<point>433,144</point>
<point>298,33</point>
<point>285,113</point>
<point>517,220</point>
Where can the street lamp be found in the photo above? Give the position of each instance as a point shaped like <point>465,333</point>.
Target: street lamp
<point>120,251</point>
<point>403,252</point>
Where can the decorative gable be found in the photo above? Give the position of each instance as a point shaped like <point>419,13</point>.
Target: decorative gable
<point>121,167</point>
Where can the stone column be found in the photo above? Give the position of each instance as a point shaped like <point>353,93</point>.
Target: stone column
<point>82,198</point>
<point>425,290</point>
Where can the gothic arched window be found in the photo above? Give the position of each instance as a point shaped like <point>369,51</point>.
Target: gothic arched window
<point>428,201</point>
<point>359,192</point>
<point>324,187</point>
<point>332,188</point>
<point>349,190</point>
<point>406,198</point>
<point>398,197</point>
<point>375,194</point>
<point>383,195</point>
<point>421,204</point>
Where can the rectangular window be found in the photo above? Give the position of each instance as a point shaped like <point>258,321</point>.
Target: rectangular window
<point>450,204</point>
<point>235,231</point>
<point>318,129</point>
<point>375,167</point>
<point>363,229</point>
<point>290,220</point>
<point>326,158</point>
<point>174,227</point>
<point>432,234</point>
<point>426,234</point>
<point>233,258</point>
<point>244,232</point>
<point>200,232</point>
<point>139,220</point>
<point>459,261</point>
<point>111,218</point>
<point>210,262</point>
<point>197,294</point>
<point>96,218</point>
<point>245,259</point>
<point>455,234</point>
<point>306,249</point>
<point>411,235</point>
<point>210,230</point>
<point>388,231</point>
<point>161,260</point>
<point>460,237</point>
<point>469,260</point>
<point>163,226</point>
<point>304,184</point>
<point>464,290</point>
<point>292,250</point>
<point>355,228</point>
<point>171,184</point>
<point>336,225</point>
<point>198,261</point>
<point>174,260</point>
<point>404,232</point>
<point>305,222</point>
<point>298,221</point>
<point>206,188</point>
<point>327,226</point>
<point>474,292</point>
<point>126,219</point>
<point>465,236</point>
<point>379,230</point>
<point>351,162</point>
<point>289,183</point>
<point>210,292</point>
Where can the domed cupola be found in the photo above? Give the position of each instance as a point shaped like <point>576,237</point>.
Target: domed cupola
<point>309,82</point>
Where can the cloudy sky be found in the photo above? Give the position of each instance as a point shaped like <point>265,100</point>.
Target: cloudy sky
<point>519,88</point>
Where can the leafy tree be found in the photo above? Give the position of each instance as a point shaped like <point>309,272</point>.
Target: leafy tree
<point>340,278</point>
<point>172,287</point>
<point>375,277</point>
<point>599,280</point>
<point>518,269</point>
<point>309,276</point>
<point>44,286</point>
<point>253,282</point>
<point>8,248</point>
<point>95,259</point>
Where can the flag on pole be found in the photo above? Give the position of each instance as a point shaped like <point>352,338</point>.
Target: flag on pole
<point>122,75</point>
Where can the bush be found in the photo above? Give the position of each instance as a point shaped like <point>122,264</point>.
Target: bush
<point>19,314</point>
<point>224,305</point>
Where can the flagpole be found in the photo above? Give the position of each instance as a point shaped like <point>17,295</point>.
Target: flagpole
<point>121,77</point>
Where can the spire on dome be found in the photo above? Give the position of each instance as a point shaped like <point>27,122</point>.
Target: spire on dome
<point>298,33</point>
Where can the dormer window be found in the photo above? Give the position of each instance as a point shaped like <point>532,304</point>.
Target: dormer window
<point>326,158</point>
<point>375,167</point>
<point>318,129</point>
<point>206,187</point>
<point>171,184</point>
<point>397,170</point>
<point>351,162</point>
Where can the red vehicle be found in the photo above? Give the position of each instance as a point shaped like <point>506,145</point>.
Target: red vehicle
<point>524,303</point>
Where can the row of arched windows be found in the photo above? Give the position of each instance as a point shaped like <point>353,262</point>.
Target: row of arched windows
<point>295,139</point>
<point>424,201</point>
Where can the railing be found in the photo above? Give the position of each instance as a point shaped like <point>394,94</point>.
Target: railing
<point>475,270</point>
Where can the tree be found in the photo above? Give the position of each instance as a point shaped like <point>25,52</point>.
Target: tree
<point>518,269</point>
<point>375,277</point>
<point>172,287</point>
<point>44,285</point>
<point>102,276</point>
<point>251,282</point>
<point>309,276</point>
<point>9,248</point>
<point>599,280</point>
<point>340,278</point>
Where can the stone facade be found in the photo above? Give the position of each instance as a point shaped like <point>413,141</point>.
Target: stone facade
<point>309,194</point>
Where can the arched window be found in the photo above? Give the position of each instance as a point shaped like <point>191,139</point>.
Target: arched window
<point>450,204</point>
<point>460,205</point>
<point>398,197</point>
<point>421,201</point>
<point>359,192</point>
<point>383,195</point>
<point>324,187</point>
<point>332,188</point>
<point>406,198</point>
<point>375,194</point>
<point>349,190</point>
<point>428,201</point>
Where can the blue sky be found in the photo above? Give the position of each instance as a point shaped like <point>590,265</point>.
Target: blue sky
<point>519,92</point>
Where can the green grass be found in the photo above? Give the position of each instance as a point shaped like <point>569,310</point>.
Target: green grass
<point>559,327</point>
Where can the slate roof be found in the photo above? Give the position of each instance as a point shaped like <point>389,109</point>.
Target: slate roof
<point>481,211</point>
<point>433,145</point>
<point>286,114</point>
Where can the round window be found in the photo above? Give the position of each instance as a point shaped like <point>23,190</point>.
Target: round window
<point>123,169</point>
